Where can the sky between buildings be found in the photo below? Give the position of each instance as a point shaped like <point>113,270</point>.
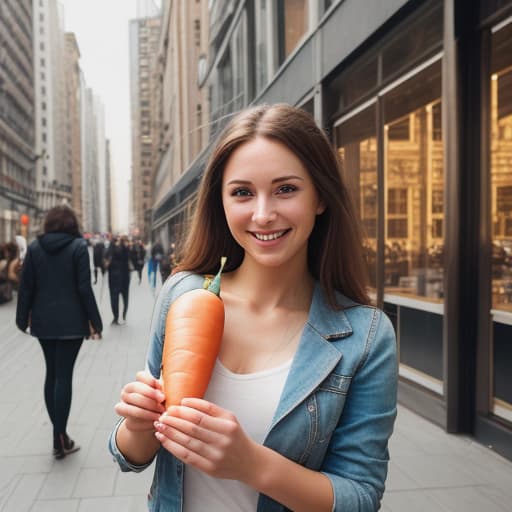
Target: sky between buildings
<point>101,29</point>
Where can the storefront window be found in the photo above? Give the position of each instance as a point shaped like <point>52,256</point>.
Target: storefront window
<point>357,145</point>
<point>501,170</point>
<point>501,219</point>
<point>414,178</point>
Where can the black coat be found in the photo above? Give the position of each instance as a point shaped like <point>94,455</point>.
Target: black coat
<point>55,289</point>
<point>118,256</point>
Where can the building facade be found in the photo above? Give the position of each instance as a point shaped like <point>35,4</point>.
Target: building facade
<point>17,156</point>
<point>73,126</point>
<point>53,176</point>
<point>416,96</point>
<point>182,113</point>
<point>144,35</point>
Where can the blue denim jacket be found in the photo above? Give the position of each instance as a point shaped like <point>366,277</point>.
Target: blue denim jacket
<point>336,412</point>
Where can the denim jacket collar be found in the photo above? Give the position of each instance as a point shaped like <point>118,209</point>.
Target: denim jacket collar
<point>315,350</point>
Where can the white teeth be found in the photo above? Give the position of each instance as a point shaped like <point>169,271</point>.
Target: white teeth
<point>273,236</point>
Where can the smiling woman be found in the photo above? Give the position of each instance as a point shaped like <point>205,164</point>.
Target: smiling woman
<point>302,398</point>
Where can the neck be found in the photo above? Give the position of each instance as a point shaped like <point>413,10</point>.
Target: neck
<point>267,288</point>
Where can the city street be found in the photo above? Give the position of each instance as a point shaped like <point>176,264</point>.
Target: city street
<point>430,470</point>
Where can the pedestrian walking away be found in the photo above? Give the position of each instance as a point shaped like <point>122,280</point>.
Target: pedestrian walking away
<point>98,256</point>
<point>117,263</point>
<point>302,396</point>
<point>56,303</point>
<point>138,256</point>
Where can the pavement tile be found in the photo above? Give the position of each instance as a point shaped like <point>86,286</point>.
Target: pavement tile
<point>24,494</point>
<point>95,482</point>
<point>465,499</point>
<point>412,501</point>
<point>56,506</point>
<point>113,504</point>
<point>129,484</point>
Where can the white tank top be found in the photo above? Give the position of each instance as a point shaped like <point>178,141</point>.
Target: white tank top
<point>253,399</point>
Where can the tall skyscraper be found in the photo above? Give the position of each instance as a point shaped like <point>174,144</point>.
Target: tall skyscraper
<point>17,157</point>
<point>144,35</point>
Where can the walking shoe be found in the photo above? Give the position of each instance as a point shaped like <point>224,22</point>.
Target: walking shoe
<point>66,446</point>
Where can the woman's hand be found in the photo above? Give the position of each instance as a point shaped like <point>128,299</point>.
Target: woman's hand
<point>141,403</point>
<point>207,437</point>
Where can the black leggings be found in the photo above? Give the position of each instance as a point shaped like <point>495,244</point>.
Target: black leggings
<point>60,357</point>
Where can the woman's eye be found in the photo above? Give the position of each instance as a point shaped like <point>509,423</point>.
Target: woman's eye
<point>286,189</point>
<point>241,192</point>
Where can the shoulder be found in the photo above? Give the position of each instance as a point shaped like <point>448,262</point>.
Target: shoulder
<point>180,283</point>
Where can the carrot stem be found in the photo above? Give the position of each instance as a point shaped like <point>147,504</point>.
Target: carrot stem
<point>214,286</point>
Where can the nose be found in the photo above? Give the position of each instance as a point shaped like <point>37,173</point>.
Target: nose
<point>264,213</point>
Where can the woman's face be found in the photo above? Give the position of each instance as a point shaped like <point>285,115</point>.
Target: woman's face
<point>270,202</point>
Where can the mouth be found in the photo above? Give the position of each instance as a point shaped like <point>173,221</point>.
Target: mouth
<point>265,237</point>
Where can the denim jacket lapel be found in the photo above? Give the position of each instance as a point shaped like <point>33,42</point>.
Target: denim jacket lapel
<point>316,356</point>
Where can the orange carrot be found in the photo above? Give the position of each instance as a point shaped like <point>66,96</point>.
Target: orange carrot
<point>193,334</point>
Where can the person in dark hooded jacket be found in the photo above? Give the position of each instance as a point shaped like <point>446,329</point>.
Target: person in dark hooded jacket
<point>56,301</point>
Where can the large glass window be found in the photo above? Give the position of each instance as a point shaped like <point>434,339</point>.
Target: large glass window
<point>414,184</point>
<point>501,219</point>
<point>357,145</point>
<point>262,43</point>
<point>239,51</point>
<point>501,170</point>
<point>293,24</point>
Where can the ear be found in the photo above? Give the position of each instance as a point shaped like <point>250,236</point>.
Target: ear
<point>320,208</point>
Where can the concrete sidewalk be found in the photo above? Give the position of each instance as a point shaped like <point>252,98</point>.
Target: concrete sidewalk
<point>430,470</point>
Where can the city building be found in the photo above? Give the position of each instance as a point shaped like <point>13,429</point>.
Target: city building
<point>73,109</point>
<point>17,156</point>
<point>144,35</point>
<point>53,175</point>
<point>182,113</point>
<point>416,96</point>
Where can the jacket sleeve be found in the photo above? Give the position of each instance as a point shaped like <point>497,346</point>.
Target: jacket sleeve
<point>26,292</point>
<point>83,277</point>
<point>171,289</point>
<point>357,459</point>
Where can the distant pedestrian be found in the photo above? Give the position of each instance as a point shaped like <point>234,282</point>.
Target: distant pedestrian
<point>56,302</point>
<point>98,256</point>
<point>138,256</point>
<point>9,271</point>
<point>157,253</point>
<point>117,261</point>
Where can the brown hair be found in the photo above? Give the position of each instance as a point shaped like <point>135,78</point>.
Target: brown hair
<point>61,219</point>
<point>335,255</point>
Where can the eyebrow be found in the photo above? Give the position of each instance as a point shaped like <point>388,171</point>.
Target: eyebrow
<point>275,180</point>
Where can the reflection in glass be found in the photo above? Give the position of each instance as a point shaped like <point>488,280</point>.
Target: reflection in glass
<point>293,24</point>
<point>414,177</point>
<point>357,147</point>
<point>501,217</point>
<point>501,187</point>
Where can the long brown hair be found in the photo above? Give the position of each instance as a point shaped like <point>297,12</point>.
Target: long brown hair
<point>335,255</point>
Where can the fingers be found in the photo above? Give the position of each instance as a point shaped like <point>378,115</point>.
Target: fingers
<point>185,453</point>
<point>212,417</point>
<point>208,408</point>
